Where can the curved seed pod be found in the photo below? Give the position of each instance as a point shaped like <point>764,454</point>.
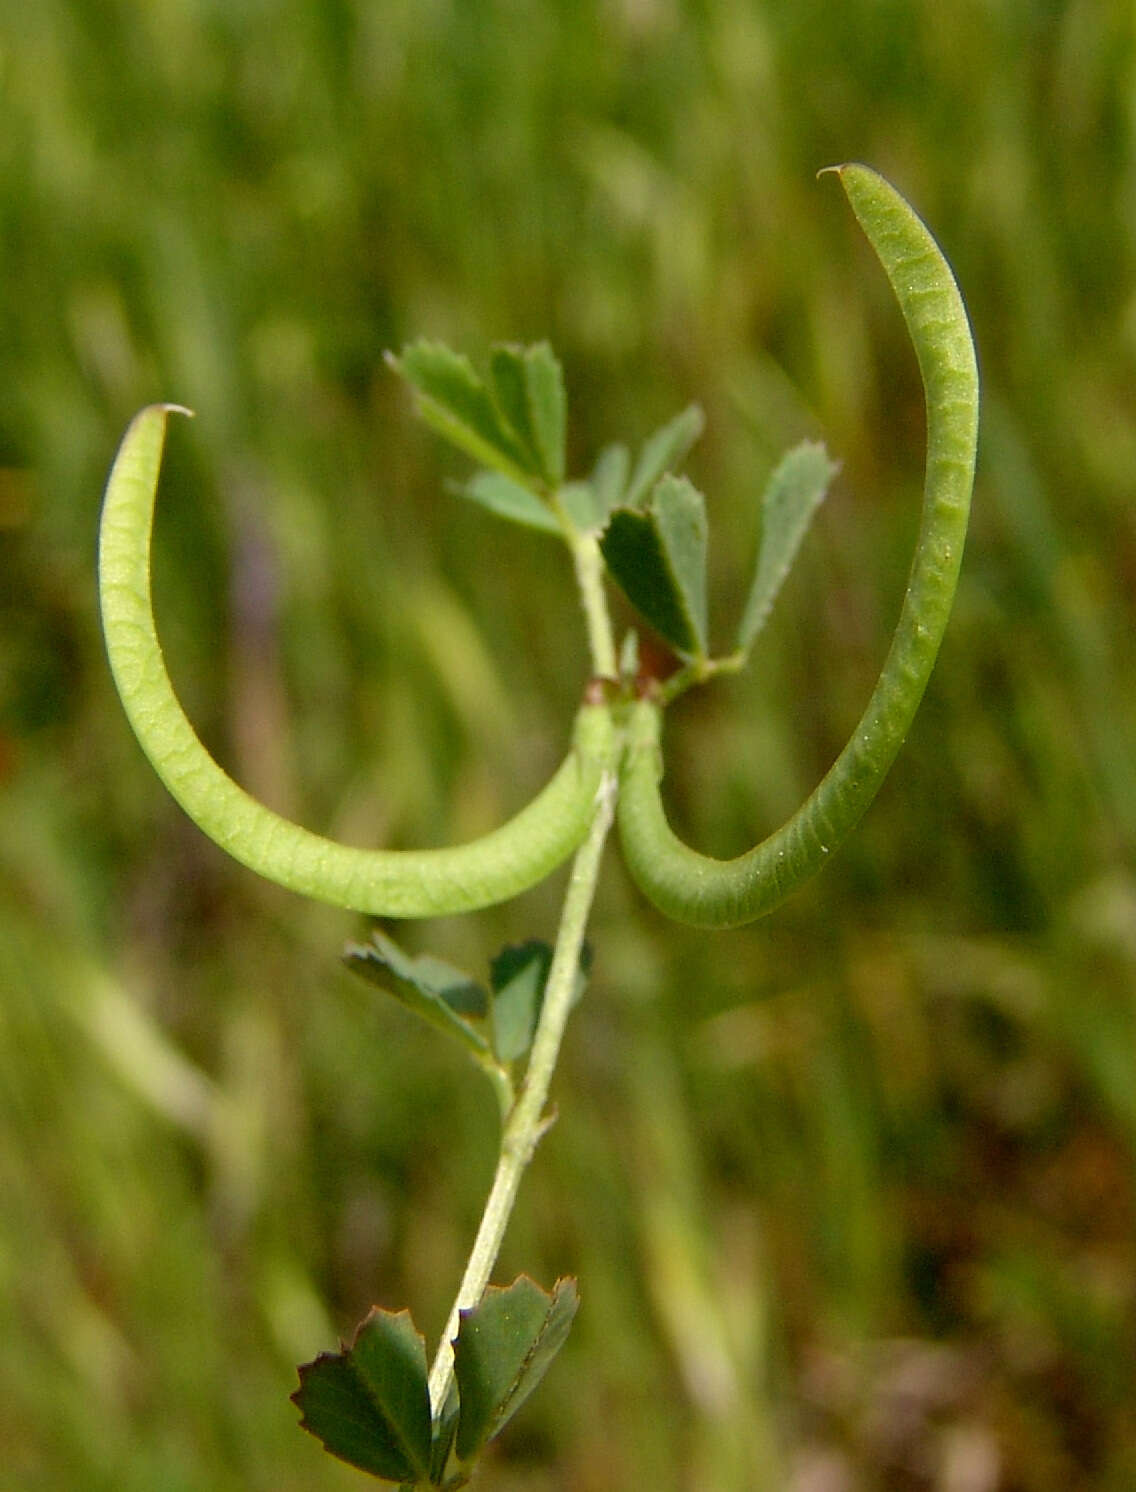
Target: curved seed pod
<point>385,883</point>
<point>725,893</point>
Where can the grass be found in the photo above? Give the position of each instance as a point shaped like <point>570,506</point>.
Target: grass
<point>879,1149</point>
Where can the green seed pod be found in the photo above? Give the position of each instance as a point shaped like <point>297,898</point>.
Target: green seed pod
<point>384,883</point>
<point>706,892</point>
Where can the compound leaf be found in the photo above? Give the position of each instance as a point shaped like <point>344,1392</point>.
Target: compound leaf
<point>504,1348</point>
<point>792,495</point>
<point>657,556</point>
<point>369,1403</point>
<point>433,989</point>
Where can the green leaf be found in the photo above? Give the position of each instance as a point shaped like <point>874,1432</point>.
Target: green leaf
<point>508,499</point>
<point>433,989</point>
<point>455,402</point>
<point>665,450</point>
<point>792,495</point>
<point>549,406</point>
<point>370,1403</point>
<point>658,558</point>
<point>445,1428</point>
<point>528,384</point>
<point>609,479</point>
<point>517,977</point>
<point>508,384</point>
<point>579,501</point>
<point>503,1349</point>
<point>589,504</point>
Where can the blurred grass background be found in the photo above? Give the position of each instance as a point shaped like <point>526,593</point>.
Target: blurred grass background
<point>851,1191</point>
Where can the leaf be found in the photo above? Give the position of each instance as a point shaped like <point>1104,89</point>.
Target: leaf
<point>455,402</point>
<point>504,1348</point>
<point>579,501</point>
<point>445,1428</point>
<point>433,989</point>
<point>528,384</point>
<point>792,495</point>
<point>517,977</point>
<point>589,504</point>
<point>609,478</point>
<point>508,386</point>
<point>370,1404</point>
<point>508,499</point>
<point>658,558</point>
<point>663,451</point>
<point>549,406</point>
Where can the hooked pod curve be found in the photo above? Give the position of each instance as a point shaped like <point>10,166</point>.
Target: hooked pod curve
<point>706,892</point>
<point>383,883</point>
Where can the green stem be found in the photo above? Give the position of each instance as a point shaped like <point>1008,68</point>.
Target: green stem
<point>528,1120</point>
<point>694,674</point>
<point>589,577</point>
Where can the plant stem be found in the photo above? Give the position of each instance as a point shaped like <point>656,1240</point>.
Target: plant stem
<point>527,1119</point>
<point>589,577</point>
<point>700,672</point>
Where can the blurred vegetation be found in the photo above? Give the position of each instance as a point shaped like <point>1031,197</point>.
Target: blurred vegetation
<point>851,1191</point>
